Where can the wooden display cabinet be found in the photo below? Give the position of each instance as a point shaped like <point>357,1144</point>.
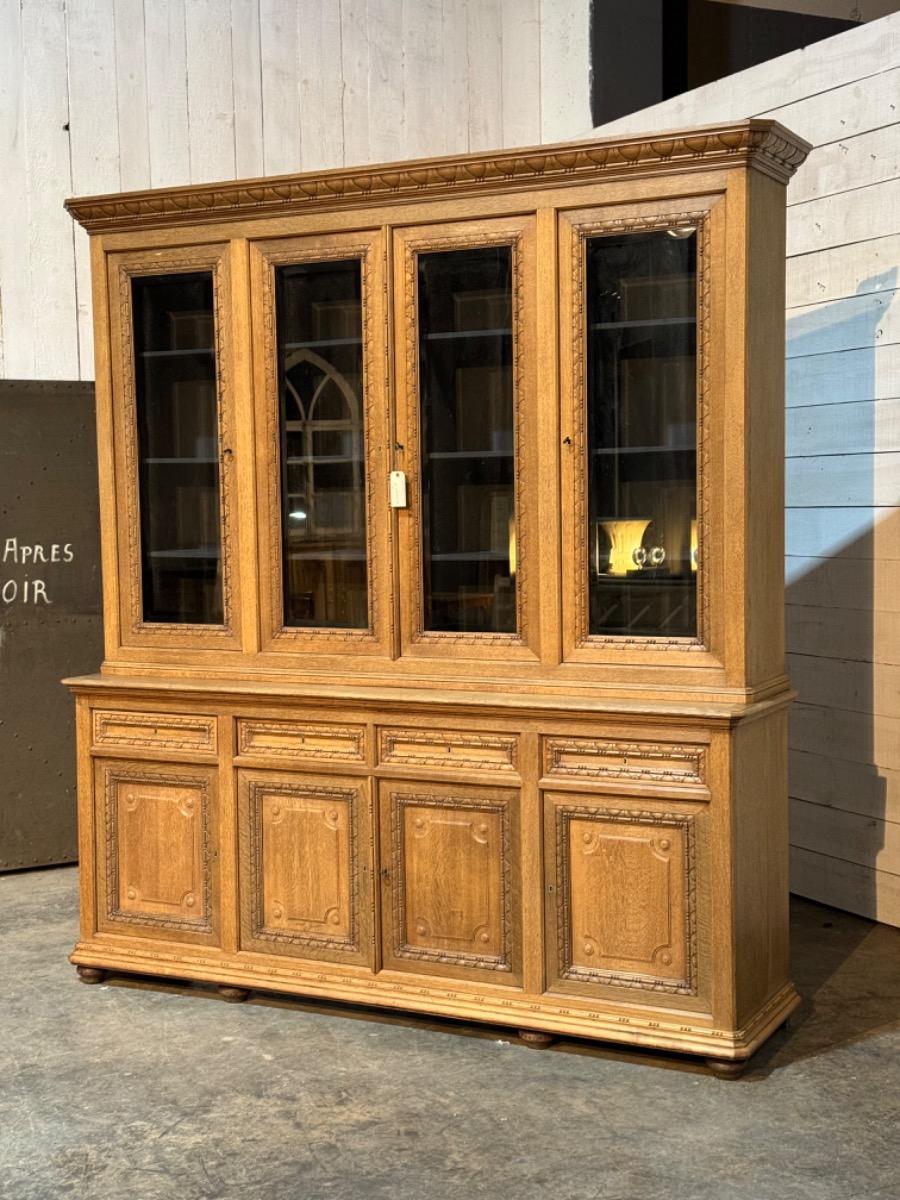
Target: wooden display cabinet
<point>499,736</point>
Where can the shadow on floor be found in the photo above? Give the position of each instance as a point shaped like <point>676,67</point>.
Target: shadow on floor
<point>846,968</point>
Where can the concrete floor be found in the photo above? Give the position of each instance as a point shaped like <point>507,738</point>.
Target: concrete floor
<point>157,1092</point>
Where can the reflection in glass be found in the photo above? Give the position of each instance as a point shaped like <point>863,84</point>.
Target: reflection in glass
<point>468,494</point>
<point>642,435</point>
<point>178,451</point>
<point>320,363</point>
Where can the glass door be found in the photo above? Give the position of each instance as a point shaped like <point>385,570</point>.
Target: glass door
<point>466,312</point>
<point>633,530</point>
<point>171,343</point>
<point>323,470</point>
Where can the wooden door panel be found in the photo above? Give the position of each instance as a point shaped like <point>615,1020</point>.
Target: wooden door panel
<point>158,826</point>
<point>305,866</point>
<point>623,896</point>
<point>451,902</point>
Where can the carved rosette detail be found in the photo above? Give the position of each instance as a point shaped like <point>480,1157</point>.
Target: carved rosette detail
<point>513,239</point>
<point>644,756</point>
<point>649,818</point>
<point>372,432</point>
<point>401,948</point>
<point>763,144</point>
<point>433,743</point>
<point>202,923</point>
<point>252,867</point>
<point>153,264</point>
<point>638,224</point>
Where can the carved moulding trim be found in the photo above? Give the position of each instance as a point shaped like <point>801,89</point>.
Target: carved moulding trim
<point>185,262</point>
<point>103,718</point>
<point>761,143</point>
<point>622,979</point>
<point>354,736</point>
<point>363,251</point>
<point>643,753</point>
<point>414,247</point>
<point>112,777</point>
<point>435,742</point>
<point>401,948</point>
<point>639,224</point>
<point>253,868</point>
<point>575,1017</point>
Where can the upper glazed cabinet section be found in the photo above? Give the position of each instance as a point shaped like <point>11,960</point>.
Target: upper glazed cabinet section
<point>492,409</point>
<point>172,346</point>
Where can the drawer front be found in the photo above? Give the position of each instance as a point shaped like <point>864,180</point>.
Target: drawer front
<point>601,758</point>
<point>154,731</point>
<point>448,748</point>
<point>293,740</point>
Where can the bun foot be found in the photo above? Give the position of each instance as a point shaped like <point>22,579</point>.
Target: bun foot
<point>91,974</point>
<point>536,1040</point>
<point>727,1068</point>
<point>234,995</point>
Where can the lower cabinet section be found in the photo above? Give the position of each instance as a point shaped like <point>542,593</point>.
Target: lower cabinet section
<point>306,866</point>
<point>451,880</point>
<point>459,871</point>
<point>157,867</point>
<point>622,879</point>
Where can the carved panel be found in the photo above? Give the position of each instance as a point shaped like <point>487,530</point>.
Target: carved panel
<point>596,758</point>
<point>302,866</point>
<point>154,731</point>
<point>451,748</point>
<point>158,868</point>
<point>626,898</point>
<point>300,740</point>
<point>450,880</point>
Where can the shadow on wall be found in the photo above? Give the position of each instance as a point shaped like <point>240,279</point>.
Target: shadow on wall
<point>838,525</point>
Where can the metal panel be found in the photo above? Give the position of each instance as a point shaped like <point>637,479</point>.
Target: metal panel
<point>50,622</point>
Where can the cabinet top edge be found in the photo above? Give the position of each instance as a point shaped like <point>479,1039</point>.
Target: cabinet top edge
<point>755,142</point>
<point>211,691</point>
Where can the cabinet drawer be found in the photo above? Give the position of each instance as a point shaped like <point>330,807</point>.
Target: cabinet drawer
<point>601,758</point>
<point>154,731</point>
<point>448,748</point>
<point>261,738</point>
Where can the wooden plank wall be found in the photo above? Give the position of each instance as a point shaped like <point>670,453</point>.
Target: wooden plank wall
<point>109,95</point>
<point>843,448</point>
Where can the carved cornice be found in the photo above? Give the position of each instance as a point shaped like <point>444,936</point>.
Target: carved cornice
<point>763,144</point>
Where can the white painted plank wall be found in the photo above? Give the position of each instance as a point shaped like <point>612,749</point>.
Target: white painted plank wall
<point>843,448</point>
<point>187,91</point>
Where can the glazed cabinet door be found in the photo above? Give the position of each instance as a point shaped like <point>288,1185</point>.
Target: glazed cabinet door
<point>174,423</point>
<point>639,362</point>
<point>322,411</point>
<point>626,904</point>
<point>464,334</point>
<point>450,874</point>
<point>306,870</point>
<point>157,850</point>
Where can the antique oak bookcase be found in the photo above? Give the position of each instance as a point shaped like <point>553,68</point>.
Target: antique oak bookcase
<point>442,572</point>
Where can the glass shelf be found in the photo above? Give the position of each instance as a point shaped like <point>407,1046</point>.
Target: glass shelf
<point>181,352</point>
<point>457,334</point>
<point>651,322</point>
<point>463,454</point>
<point>193,552</point>
<point>323,343</point>
<point>646,450</point>
<point>169,462</point>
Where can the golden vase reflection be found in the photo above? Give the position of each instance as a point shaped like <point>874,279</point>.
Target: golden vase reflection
<point>625,537</point>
